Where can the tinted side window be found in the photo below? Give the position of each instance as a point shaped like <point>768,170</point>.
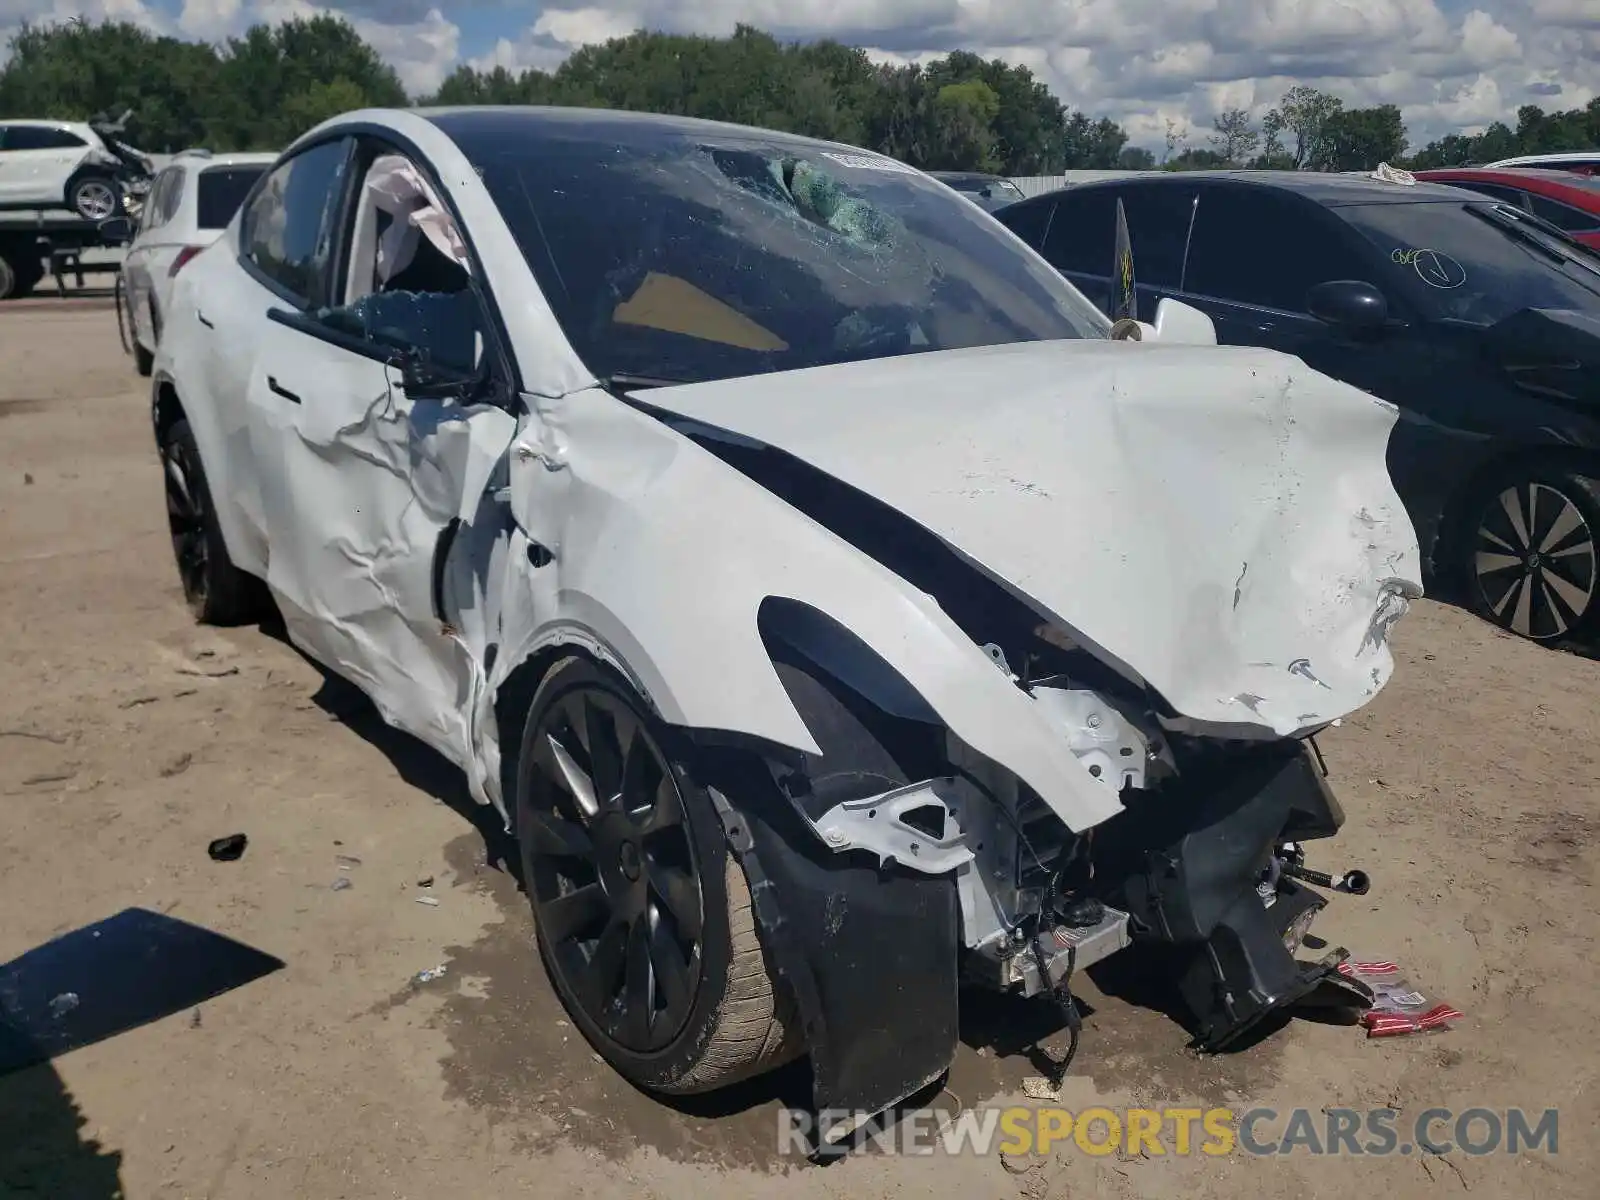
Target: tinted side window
<point>1510,195</point>
<point>1563,216</point>
<point>149,216</point>
<point>220,191</point>
<point>1028,221</point>
<point>1158,229</point>
<point>32,137</point>
<point>1083,233</point>
<point>285,232</point>
<point>171,196</point>
<point>1254,246</point>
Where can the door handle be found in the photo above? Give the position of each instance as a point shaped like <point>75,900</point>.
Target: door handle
<point>278,389</point>
<point>201,317</point>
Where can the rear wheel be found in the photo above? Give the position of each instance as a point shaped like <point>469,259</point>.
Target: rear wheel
<point>1531,554</point>
<point>218,593</point>
<point>644,918</point>
<point>94,196</point>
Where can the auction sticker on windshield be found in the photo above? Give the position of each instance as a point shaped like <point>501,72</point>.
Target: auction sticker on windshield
<point>868,162</point>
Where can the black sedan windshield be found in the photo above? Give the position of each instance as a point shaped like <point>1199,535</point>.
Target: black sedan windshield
<point>1475,266</point>
<point>682,252</point>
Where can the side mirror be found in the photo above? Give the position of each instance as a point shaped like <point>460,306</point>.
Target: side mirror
<point>1183,324</point>
<point>1349,304</point>
<point>117,229</point>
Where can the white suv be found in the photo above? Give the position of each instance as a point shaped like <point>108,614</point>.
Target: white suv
<point>189,205</point>
<point>59,164</point>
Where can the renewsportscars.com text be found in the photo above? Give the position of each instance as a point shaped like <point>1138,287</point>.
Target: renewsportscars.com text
<point>1182,1132</point>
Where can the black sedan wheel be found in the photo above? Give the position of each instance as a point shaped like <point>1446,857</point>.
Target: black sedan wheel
<point>217,592</point>
<point>644,919</point>
<point>1533,559</point>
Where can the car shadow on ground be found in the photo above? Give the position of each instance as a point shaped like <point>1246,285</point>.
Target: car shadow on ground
<point>43,1150</point>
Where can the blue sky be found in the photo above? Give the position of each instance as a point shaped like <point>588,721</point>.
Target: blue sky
<point>1450,64</point>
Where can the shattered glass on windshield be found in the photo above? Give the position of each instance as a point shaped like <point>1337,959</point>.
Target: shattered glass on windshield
<point>692,259</point>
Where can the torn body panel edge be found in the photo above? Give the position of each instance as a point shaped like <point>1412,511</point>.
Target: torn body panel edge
<point>659,561</point>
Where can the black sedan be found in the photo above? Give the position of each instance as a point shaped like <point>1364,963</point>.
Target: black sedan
<point>1481,323</point>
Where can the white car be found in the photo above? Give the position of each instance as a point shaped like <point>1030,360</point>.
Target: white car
<point>59,164</point>
<point>189,205</point>
<point>831,606</point>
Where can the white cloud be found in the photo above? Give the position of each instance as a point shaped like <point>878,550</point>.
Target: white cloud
<point>423,52</point>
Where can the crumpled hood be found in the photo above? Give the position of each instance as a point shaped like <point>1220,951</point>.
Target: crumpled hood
<point>1218,522</point>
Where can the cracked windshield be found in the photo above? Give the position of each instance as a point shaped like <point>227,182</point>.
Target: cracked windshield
<point>679,260</point>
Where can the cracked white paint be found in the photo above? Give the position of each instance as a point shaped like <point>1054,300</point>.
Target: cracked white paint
<point>1218,521</point>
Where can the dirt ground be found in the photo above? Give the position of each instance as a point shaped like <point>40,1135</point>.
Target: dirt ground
<point>130,738</point>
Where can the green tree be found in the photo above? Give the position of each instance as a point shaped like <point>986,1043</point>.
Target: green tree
<point>964,134</point>
<point>275,82</point>
<point>1092,145</point>
<point>1197,158</point>
<point>1300,121</point>
<point>75,70</point>
<point>1136,158</point>
<point>1236,138</point>
<point>1358,139</point>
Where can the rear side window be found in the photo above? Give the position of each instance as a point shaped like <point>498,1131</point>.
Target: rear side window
<point>1082,235</point>
<point>155,206</point>
<point>1563,216</point>
<point>1028,221</point>
<point>1255,246</point>
<point>1158,230</point>
<point>285,232</point>
<point>33,137</point>
<point>1512,196</point>
<point>220,191</point>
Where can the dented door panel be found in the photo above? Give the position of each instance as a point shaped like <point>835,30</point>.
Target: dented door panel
<point>363,493</point>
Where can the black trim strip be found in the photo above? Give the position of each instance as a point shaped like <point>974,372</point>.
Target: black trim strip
<point>304,323</point>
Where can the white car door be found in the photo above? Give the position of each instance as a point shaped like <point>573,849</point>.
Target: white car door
<point>365,486</point>
<point>41,159</point>
<point>363,489</point>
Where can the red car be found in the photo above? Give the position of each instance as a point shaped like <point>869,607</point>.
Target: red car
<point>1568,201</point>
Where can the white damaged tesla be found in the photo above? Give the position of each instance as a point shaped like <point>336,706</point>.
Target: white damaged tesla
<point>834,609</point>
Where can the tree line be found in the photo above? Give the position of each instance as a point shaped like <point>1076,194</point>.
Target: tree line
<point>265,87</point>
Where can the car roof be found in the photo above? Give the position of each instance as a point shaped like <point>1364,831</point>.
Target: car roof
<point>207,161</point>
<point>1569,156</point>
<point>1325,188</point>
<point>38,123</point>
<point>599,123</point>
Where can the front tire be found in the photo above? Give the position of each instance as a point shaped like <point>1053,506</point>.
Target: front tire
<point>217,592</point>
<point>1530,553</point>
<point>644,918</point>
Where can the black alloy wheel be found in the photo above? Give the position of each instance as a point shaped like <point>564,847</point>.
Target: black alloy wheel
<point>612,870</point>
<point>1534,557</point>
<point>186,520</point>
<point>217,592</point>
